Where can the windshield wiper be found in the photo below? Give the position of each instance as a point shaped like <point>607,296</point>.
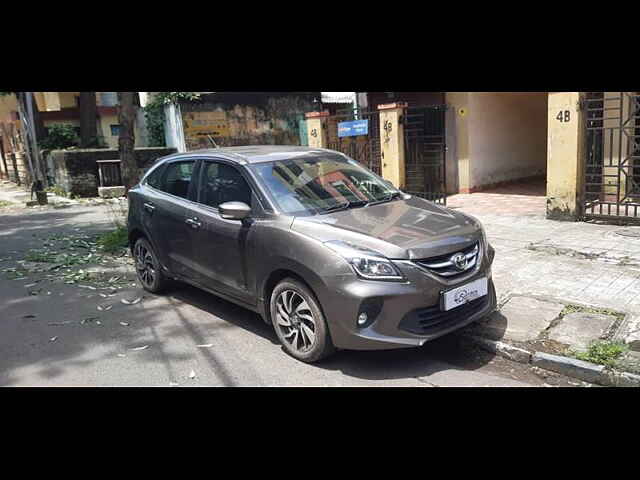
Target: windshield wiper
<point>388,198</point>
<point>343,206</point>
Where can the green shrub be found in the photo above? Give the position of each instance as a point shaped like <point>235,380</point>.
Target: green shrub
<point>60,136</point>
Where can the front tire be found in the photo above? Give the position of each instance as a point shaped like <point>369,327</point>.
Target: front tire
<point>148,267</point>
<point>299,322</point>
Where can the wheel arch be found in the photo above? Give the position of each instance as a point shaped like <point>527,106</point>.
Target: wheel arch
<point>309,279</point>
<point>134,235</point>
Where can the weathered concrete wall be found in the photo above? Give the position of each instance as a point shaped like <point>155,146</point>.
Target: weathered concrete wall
<point>269,120</point>
<point>76,171</point>
<point>508,137</point>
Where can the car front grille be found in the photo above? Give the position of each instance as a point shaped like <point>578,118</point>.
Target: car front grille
<point>445,265</point>
<point>425,321</point>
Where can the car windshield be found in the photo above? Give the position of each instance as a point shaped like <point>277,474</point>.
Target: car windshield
<point>321,183</point>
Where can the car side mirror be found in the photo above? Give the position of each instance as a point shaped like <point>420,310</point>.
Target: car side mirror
<point>234,210</point>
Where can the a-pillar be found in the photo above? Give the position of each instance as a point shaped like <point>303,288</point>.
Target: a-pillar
<point>392,143</point>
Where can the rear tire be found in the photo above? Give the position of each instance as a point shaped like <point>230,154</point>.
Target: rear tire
<point>299,323</point>
<point>148,267</point>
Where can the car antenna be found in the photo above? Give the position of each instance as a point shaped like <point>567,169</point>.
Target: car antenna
<point>214,143</point>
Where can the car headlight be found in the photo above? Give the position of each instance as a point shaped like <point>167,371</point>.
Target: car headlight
<point>366,263</point>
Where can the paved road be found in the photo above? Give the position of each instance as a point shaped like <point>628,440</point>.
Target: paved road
<point>184,333</point>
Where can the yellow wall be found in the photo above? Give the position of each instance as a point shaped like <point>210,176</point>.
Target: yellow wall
<point>68,99</point>
<point>8,104</point>
<point>104,129</point>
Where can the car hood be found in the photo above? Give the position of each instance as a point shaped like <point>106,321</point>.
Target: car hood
<point>410,228</point>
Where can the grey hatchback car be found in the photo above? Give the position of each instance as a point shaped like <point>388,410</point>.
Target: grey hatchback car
<point>326,251</point>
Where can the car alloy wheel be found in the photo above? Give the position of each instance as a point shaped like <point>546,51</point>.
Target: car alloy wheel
<point>295,320</point>
<point>145,265</point>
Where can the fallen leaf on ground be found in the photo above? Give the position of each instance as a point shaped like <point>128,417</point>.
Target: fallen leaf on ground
<point>131,302</point>
<point>30,285</point>
<point>28,316</point>
<point>192,374</point>
<point>105,308</point>
<point>124,324</point>
<point>206,345</point>
<point>53,339</point>
<point>140,348</point>
<point>59,323</point>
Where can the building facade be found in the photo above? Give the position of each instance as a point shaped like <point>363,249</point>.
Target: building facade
<point>580,146</point>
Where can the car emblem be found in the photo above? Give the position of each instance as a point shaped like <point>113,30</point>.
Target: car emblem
<point>459,260</point>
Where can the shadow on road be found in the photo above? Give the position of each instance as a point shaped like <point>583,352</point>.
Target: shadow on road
<point>408,363</point>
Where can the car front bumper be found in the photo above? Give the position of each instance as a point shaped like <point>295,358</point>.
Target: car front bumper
<point>407,314</point>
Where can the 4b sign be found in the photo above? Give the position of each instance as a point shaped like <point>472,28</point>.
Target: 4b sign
<point>564,116</point>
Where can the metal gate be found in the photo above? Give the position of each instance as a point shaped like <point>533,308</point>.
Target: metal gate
<point>612,155</point>
<point>362,148</point>
<point>424,140</point>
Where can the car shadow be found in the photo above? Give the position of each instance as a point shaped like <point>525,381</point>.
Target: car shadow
<point>452,350</point>
<point>224,309</point>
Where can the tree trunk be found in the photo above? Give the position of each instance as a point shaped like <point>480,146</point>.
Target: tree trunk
<point>26,137</point>
<point>88,116</point>
<point>127,140</point>
<point>41,132</point>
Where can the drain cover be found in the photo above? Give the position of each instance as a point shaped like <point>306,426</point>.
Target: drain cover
<point>629,232</point>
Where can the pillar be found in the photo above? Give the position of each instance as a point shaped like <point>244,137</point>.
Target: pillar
<point>458,158</point>
<point>317,129</point>
<point>565,135</point>
<point>392,143</point>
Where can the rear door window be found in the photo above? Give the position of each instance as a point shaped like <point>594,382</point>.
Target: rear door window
<point>177,178</point>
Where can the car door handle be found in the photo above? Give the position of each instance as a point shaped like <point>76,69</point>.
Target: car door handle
<point>149,207</point>
<point>193,222</point>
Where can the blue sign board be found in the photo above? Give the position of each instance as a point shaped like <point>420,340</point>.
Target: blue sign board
<point>351,129</point>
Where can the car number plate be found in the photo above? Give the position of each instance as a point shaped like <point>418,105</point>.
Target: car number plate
<point>466,293</point>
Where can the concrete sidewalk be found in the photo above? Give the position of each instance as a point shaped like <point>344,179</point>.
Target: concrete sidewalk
<point>18,198</point>
<point>15,194</point>
<point>545,268</point>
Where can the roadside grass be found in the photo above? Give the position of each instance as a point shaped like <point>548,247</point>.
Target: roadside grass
<point>57,190</point>
<point>117,240</point>
<point>4,203</point>
<point>603,353</point>
<point>579,308</point>
<point>114,241</point>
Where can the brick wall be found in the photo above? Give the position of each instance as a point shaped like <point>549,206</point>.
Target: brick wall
<point>76,171</point>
